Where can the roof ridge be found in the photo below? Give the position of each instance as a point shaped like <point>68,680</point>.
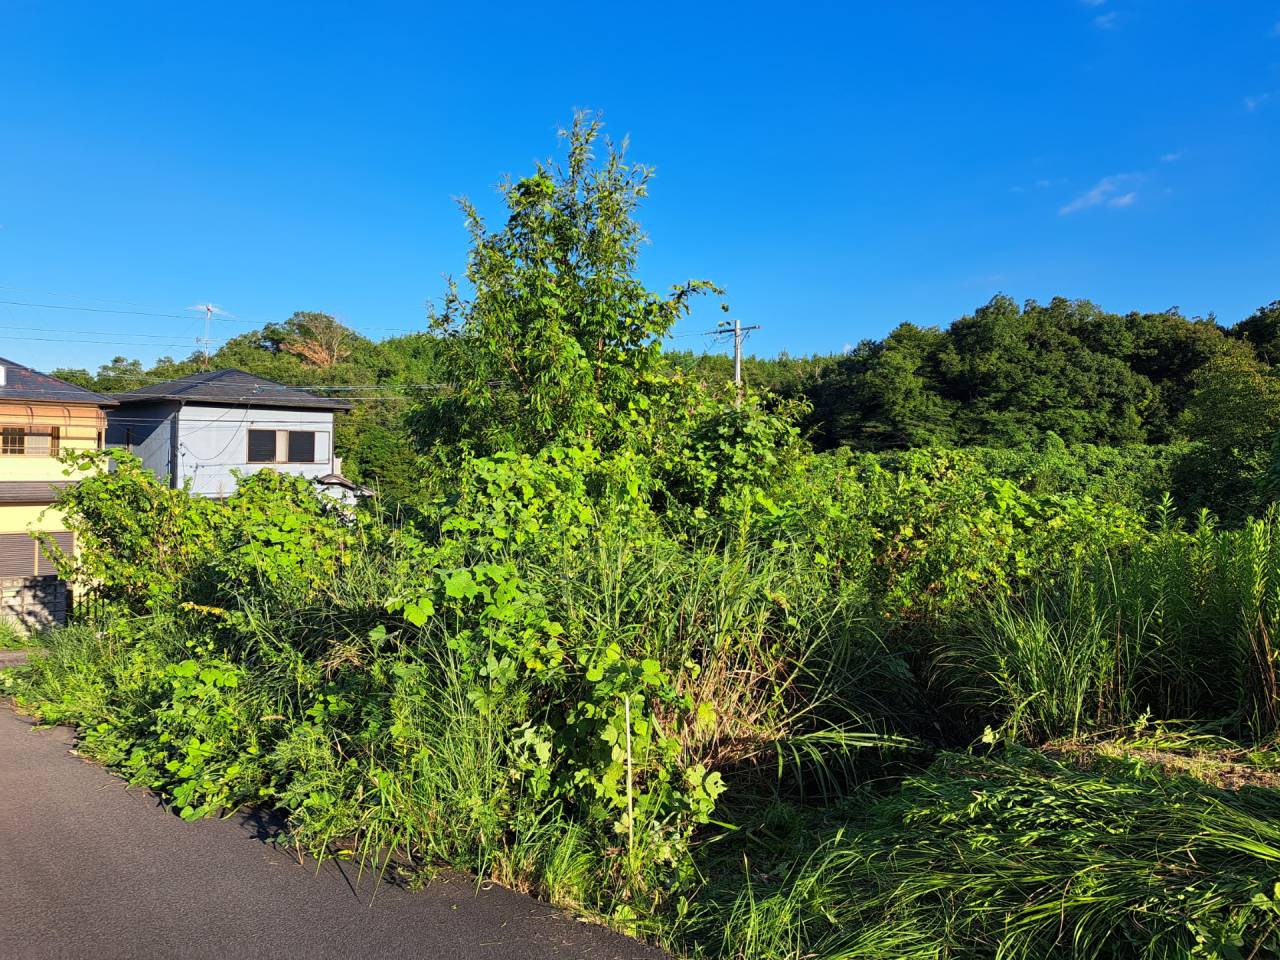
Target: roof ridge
<point>72,391</point>
<point>212,386</point>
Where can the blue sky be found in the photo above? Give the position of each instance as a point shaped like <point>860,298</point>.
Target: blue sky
<point>838,168</point>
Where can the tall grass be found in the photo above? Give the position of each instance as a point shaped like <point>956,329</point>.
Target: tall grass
<point>1180,627</point>
<point>12,638</point>
<point>797,675</point>
<point>375,733</point>
<point>366,731</point>
<point>1025,858</point>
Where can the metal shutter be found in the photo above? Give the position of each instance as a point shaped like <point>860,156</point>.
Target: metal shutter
<point>302,446</point>
<point>66,542</point>
<point>17,555</point>
<point>262,446</point>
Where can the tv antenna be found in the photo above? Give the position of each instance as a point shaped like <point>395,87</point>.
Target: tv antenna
<point>209,310</point>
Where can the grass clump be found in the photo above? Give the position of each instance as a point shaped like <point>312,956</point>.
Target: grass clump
<point>1021,856</point>
<point>14,638</point>
<point>1178,626</point>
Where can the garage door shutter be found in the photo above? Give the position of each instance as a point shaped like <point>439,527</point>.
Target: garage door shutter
<point>17,555</point>
<point>66,543</point>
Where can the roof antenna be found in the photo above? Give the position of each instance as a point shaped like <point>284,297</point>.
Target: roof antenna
<point>209,310</point>
<point>208,318</point>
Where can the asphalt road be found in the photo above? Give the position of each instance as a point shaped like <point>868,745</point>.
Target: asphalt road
<point>91,869</point>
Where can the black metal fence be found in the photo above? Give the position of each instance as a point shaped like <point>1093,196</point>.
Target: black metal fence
<point>85,605</point>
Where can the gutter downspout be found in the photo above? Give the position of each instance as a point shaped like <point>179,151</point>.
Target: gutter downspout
<point>175,457</point>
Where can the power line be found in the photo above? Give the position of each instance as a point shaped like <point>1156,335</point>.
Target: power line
<point>79,296</point>
<point>65,306</point>
<point>361,391</point>
<point>167,337</point>
<point>177,316</point>
<point>739,333</point>
<point>102,343</point>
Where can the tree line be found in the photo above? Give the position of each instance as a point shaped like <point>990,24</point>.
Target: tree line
<point>1004,377</point>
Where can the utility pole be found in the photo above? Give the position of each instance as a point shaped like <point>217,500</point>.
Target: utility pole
<point>737,354</point>
<point>739,334</point>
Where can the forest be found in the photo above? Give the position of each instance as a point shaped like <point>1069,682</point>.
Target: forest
<point>1046,393</point>
<point>957,645</point>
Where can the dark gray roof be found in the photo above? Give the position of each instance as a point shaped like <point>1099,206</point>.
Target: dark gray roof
<point>31,491</point>
<point>23,383</point>
<point>233,388</point>
<point>338,480</point>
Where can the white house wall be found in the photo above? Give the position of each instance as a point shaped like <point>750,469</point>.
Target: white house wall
<point>213,441</point>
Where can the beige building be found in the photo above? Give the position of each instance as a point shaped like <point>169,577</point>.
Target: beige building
<point>40,416</point>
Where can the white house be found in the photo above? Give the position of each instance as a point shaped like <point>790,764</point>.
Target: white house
<point>202,427</point>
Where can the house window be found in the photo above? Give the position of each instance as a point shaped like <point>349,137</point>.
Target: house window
<point>30,441</point>
<point>262,446</point>
<point>13,441</point>
<point>282,446</point>
<point>302,446</point>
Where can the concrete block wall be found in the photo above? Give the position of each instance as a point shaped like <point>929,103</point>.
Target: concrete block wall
<point>33,602</point>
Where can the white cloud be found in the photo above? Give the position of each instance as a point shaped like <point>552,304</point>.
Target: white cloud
<point>1105,191</point>
<point>1253,103</point>
<point>1106,21</point>
<point>1093,3</point>
<point>1171,157</point>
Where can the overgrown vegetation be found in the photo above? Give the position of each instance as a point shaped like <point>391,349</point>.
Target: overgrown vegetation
<point>625,641</point>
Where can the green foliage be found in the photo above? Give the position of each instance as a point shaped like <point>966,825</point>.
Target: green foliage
<point>559,336</point>
<point>1261,329</point>
<point>542,597</point>
<point>1024,857</point>
<point>11,638</point>
<point>945,533</point>
<point>277,533</point>
<point>710,452</point>
<point>1135,475</point>
<point>613,634</point>
<point>150,548</point>
<point>138,539</point>
<point>1233,416</point>
<point>1178,626</point>
<point>1006,376</point>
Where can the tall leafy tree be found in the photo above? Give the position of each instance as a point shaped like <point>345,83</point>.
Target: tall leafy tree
<point>884,395</point>
<point>557,334</point>
<point>1262,330</point>
<point>316,338</point>
<point>1234,415</point>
